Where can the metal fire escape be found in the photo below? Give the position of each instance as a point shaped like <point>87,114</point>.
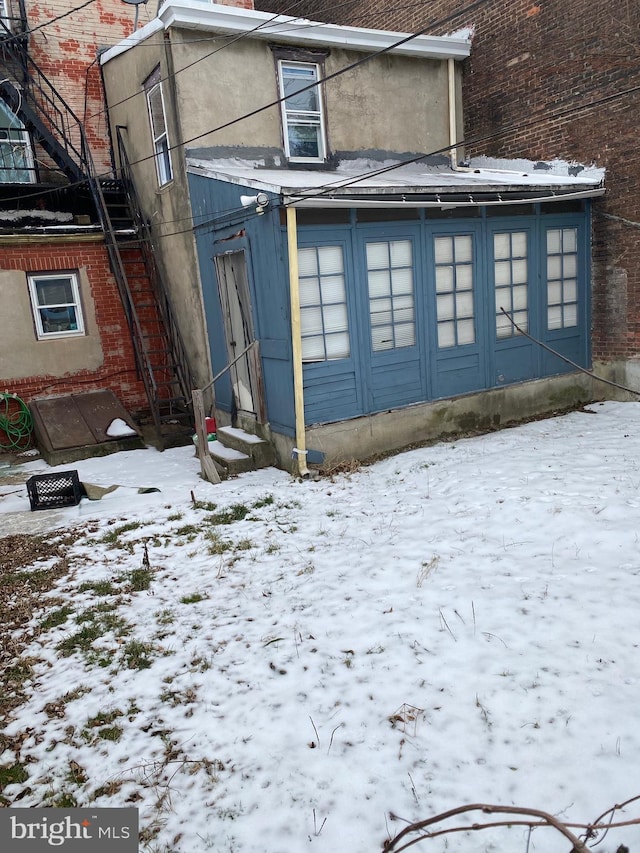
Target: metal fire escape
<point>52,127</point>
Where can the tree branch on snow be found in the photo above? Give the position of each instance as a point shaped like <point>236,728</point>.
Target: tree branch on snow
<point>533,818</point>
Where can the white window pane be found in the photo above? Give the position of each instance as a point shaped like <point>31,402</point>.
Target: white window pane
<point>503,299</point>
<point>313,348</point>
<point>570,239</point>
<point>570,290</point>
<point>379,283</point>
<point>464,304</point>
<point>444,307</point>
<point>381,338</point>
<point>332,289</point>
<point>501,246</point>
<point>503,326</point>
<point>444,279</point>
<point>311,321</point>
<point>309,292</point>
<point>402,281</point>
<point>377,256</point>
<point>553,241</point>
<point>570,315</point>
<point>54,291</point>
<point>464,278</point>
<point>55,320</point>
<point>554,267</point>
<point>330,258</point>
<point>554,317</point>
<point>519,244</point>
<point>381,317</point>
<point>156,112</point>
<point>466,332</point>
<point>307,262</point>
<point>519,272</point>
<point>446,335</point>
<point>503,273</point>
<point>401,253</point>
<point>569,266</point>
<point>305,140</point>
<point>463,248</point>
<point>335,318</point>
<point>554,293</point>
<point>522,319</point>
<point>443,250</point>
<point>520,298</point>
<point>403,315</point>
<point>403,302</point>
<point>405,335</point>
<point>338,345</point>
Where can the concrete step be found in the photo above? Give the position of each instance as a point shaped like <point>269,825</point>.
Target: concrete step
<point>260,451</point>
<point>228,460</point>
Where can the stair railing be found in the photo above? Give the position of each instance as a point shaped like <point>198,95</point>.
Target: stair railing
<point>163,299</point>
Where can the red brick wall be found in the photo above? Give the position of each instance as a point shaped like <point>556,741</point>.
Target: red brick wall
<point>67,53</point>
<point>532,60</point>
<point>118,371</point>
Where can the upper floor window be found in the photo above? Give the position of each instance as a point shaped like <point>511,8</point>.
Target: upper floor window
<point>158,121</point>
<point>55,301</point>
<point>16,156</point>
<point>302,115</point>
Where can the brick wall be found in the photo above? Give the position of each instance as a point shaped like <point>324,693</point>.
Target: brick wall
<point>535,67</point>
<point>118,371</point>
<point>67,53</point>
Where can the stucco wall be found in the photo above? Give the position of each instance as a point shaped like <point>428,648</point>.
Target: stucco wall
<point>390,103</point>
<point>167,207</point>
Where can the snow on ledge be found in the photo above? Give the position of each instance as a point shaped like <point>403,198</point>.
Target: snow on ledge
<point>560,168</point>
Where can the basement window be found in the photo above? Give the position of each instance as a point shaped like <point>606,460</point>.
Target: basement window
<point>302,113</point>
<point>55,301</point>
<point>158,122</point>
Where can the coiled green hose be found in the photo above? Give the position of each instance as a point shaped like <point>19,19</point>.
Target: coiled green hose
<point>16,424</point>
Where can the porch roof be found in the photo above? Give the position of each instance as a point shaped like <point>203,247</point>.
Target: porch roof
<point>364,183</point>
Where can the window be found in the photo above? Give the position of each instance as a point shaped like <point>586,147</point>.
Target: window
<point>55,300</point>
<point>302,118</point>
<point>391,306</point>
<point>454,290</point>
<point>510,269</point>
<point>16,158</point>
<point>157,119</point>
<point>562,281</point>
<point>323,304</point>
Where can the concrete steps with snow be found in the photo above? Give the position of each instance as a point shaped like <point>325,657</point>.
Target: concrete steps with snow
<point>237,451</point>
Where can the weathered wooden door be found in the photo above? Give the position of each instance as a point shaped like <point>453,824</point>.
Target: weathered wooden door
<point>231,269</point>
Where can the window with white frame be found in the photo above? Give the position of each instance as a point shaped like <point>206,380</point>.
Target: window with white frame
<point>391,304</point>
<point>158,122</point>
<point>16,156</point>
<point>55,300</point>
<point>454,290</point>
<point>562,278</point>
<point>302,114</point>
<point>511,286</point>
<point>323,303</point>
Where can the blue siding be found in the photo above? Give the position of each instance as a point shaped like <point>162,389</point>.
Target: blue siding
<point>370,381</point>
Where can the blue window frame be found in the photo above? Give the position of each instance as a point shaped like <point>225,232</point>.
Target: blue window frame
<point>323,304</point>
<point>391,294</point>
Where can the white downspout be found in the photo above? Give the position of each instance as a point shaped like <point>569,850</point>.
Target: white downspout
<point>296,342</point>
<point>453,151</point>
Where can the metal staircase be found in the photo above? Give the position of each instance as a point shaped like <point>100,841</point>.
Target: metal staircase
<point>160,354</point>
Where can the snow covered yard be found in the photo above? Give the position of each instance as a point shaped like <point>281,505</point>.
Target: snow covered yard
<point>271,666</point>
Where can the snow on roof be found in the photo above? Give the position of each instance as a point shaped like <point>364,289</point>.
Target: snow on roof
<point>230,20</point>
<point>376,180</point>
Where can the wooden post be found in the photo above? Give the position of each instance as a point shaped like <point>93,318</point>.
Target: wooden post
<point>208,470</point>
